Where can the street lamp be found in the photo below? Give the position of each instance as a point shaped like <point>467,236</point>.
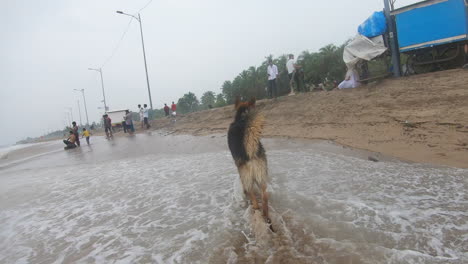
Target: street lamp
<point>144,54</point>
<point>102,85</point>
<point>79,112</point>
<point>70,113</point>
<point>68,118</point>
<point>86,109</point>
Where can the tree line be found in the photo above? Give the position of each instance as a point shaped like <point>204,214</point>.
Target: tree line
<point>323,66</point>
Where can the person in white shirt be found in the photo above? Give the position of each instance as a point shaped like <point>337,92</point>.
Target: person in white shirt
<point>291,66</point>
<point>140,111</point>
<point>146,115</point>
<point>272,72</point>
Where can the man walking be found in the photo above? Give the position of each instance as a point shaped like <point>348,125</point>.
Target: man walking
<point>146,115</point>
<point>107,125</point>
<point>174,113</point>
<point>173,108</point>
<point>272,71</point>
<point>76,133</point>
<point>166,109</point>
<point>129,122</point>
<point>140,111</point>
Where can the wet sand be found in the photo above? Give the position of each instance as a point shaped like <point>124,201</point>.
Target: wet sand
<point>422,118</point>
<point>160,198</point>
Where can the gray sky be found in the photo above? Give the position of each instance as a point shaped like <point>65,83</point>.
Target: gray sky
<point>194,46</point>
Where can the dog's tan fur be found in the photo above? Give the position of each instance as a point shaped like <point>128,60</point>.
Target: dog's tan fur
<point>253,133</point>
<point>252,167</point>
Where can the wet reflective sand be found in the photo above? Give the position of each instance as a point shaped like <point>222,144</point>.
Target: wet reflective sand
<point>177,199</point>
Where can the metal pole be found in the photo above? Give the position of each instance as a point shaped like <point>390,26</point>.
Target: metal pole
<point>70,118</point>
<point>393,42</point>
<point>67,119</point>
<point>144,57</point>
<point>103,94</point>
<point>86,109</point>
<point>71,113</point>
<point>79,112</point>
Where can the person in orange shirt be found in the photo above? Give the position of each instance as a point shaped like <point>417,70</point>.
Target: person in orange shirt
<point>173,108</point>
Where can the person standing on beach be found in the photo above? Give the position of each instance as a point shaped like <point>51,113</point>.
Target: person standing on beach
<point>291,66</point>
<point>107,126</point>
<point>129,122</point>
<point>146,116</point>
<point>272,72</point>
<point>174,113</point>
<point>166,109</point>
<point>140,111</point>
<point>85,134</point>
<point>76,133</point>
<point>173,108</point>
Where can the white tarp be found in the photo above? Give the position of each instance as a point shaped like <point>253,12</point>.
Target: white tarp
<point>362,48</point>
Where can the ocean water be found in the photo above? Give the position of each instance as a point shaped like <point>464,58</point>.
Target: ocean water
<point>178,199</point>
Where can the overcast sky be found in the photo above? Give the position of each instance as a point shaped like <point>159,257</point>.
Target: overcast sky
<point>48,45</point>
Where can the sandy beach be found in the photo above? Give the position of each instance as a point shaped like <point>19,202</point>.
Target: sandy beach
<point>420,118</point>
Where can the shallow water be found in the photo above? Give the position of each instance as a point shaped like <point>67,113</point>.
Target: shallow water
<point>177,199</point>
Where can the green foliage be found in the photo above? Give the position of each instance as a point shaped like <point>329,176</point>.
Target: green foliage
<point>325,65</point>
<point>207,99</point>
<point>317,67</point>
<point>155,113</point>
<point>188,103</point>
<point>220,102</point>
<point>135,116</point>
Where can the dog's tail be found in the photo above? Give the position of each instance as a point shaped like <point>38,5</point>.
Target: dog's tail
<point>253,131</point>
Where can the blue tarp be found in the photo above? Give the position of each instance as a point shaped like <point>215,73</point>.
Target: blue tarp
<point>374,26</point>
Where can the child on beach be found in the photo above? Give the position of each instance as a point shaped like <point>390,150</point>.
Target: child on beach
<point>86,134</point>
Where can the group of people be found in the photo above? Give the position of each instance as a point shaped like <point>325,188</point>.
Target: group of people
<point>74,139</point>
<point>144,114</point>
<point>127,124</point>
<point>173,109</point>
<point>351,79</point>
<point>273,74</point>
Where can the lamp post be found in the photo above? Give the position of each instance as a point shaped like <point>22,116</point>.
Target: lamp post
<point>144,54</point>
<point>79,112</point>
<point>86,109</point>
<point>102,85</point>
<point>70,113</point>
<point>68,118</point>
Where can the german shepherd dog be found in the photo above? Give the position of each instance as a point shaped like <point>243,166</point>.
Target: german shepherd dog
<point>248,152</point>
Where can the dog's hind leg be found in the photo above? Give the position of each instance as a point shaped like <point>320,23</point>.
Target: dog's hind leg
<point>265,206</point>
<point>265,201</point>
<point>254,200</point>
